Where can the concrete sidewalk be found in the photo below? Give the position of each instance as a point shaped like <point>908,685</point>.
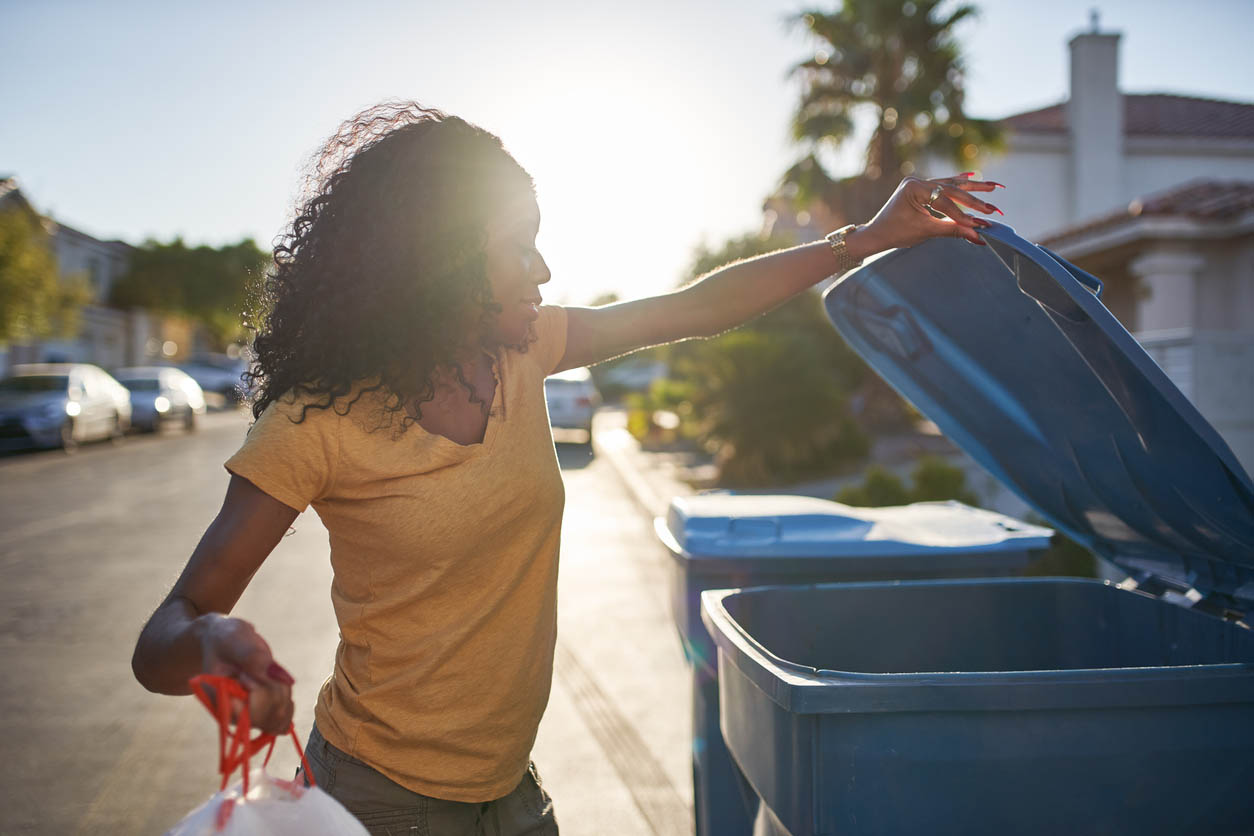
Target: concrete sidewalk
<point>652,479</point>
<point>614,748</point>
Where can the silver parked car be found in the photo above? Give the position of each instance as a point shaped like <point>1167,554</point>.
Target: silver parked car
<point>573,400</point>
<point>60,405</point>
<point>218,373</point>
<point>162,395</point>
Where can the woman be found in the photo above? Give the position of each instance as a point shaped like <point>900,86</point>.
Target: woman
<point>400,391</point>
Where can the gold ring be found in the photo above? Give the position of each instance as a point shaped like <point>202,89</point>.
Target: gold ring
<point>936,192</point>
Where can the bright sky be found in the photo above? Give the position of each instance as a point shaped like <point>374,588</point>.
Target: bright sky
<point>649,126</point>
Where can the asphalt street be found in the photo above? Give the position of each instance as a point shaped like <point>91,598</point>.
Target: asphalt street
<point>91,542</point>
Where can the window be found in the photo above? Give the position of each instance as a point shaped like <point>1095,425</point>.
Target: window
<point>96,272</point>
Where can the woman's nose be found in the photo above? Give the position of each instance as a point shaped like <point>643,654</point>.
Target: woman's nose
<point>540,269</point>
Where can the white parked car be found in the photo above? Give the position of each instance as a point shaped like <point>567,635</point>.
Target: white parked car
<point>162,395</point>
<point>573,400</point>
<point>60,405</point>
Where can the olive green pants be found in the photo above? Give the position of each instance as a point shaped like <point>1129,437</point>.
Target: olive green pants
<point>388,809</point>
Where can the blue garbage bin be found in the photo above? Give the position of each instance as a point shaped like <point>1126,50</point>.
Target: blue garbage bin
<point>1028,706</point>
<point>1022,705</point>
<point>720,539</point>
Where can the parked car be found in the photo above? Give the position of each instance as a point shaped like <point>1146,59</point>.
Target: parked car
<point>573,400</point>
<point>635,375</point>
<point>218,373</point>
<point>162,395</point>
<point>60,405</point>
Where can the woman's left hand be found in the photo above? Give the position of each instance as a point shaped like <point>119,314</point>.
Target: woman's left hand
<point>905,220</point>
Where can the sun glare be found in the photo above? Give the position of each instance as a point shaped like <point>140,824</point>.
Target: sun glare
<point>627,177</point>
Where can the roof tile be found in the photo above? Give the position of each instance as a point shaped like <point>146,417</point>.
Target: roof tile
<point>1154,114</point>
<point>1206,200</point>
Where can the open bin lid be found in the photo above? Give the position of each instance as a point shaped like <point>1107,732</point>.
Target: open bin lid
<point>721,526</point>
<point>1008,349</point>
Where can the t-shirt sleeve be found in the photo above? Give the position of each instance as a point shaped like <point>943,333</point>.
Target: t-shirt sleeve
<point>550,344</point>
<point>292,462</point>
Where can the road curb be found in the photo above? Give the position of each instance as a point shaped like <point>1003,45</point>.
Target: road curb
<point>617,446</point>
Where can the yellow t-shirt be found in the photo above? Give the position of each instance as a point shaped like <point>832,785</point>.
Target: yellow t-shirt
<point>445,559</point>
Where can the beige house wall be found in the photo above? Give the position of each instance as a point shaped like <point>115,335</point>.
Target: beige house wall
<point>1188,298</point>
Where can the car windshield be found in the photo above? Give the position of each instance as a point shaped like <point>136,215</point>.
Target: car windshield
<point>140,384</point>
<point>35,383</point>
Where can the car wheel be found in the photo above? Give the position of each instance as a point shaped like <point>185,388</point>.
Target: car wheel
<point>117,432</point>
<point>68,443</point>
<point>189,420</point>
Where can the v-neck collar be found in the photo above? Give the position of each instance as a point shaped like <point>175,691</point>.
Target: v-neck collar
<point>495,415</point>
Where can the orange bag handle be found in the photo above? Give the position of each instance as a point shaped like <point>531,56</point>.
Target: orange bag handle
<point>236,746</point>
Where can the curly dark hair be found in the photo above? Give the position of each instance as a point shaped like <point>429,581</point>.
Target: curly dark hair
<point>373,287</point>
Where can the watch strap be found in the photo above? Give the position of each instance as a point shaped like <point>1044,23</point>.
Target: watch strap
<point>840,248</point>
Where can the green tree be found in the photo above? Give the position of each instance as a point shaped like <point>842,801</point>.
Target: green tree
<point>209,284</point>
<point>770,398</point>
<point>900,62</point>
<point>34,301</point>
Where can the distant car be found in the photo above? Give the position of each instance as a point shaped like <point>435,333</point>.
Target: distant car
<point>162,395</point>
<point>635,375</point>
<point>573,400</point>
<point>60,405</point>
<point>218,373</point>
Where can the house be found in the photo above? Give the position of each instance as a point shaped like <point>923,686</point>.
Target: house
<point>1102,149</point>
<point>1095,153</point>
<point>1178,268</point>
<point>106,336</point>
<point>1154,194</point>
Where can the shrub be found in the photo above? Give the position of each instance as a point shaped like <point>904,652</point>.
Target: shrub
<point>934,480</point>
<point>879,488</point>
<point>1064,557</point>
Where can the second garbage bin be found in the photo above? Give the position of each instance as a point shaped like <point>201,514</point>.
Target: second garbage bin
<point>721,540</point>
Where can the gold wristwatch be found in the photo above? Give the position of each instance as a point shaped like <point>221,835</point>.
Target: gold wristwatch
<point>844,261</point>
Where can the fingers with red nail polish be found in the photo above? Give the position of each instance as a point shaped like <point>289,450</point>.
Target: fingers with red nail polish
<point>231,647</point>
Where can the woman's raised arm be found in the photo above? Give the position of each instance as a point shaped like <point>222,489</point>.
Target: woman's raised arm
<point>730,296</point>
<point>191,633</point>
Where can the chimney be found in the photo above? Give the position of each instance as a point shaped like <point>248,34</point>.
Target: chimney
<point>1095,120</point>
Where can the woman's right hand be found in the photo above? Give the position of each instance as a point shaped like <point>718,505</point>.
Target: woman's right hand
<point>231,647</point>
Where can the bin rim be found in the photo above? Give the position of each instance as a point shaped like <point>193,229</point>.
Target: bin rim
<point>1077,419</point>
<point>806,690</point>
<point>703,528</point>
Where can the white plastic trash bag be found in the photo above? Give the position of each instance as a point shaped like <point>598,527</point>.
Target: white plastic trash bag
<point>271,807</point>
<point>258,804</point>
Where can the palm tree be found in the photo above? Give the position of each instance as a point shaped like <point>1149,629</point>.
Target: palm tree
<point>898,59</point>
